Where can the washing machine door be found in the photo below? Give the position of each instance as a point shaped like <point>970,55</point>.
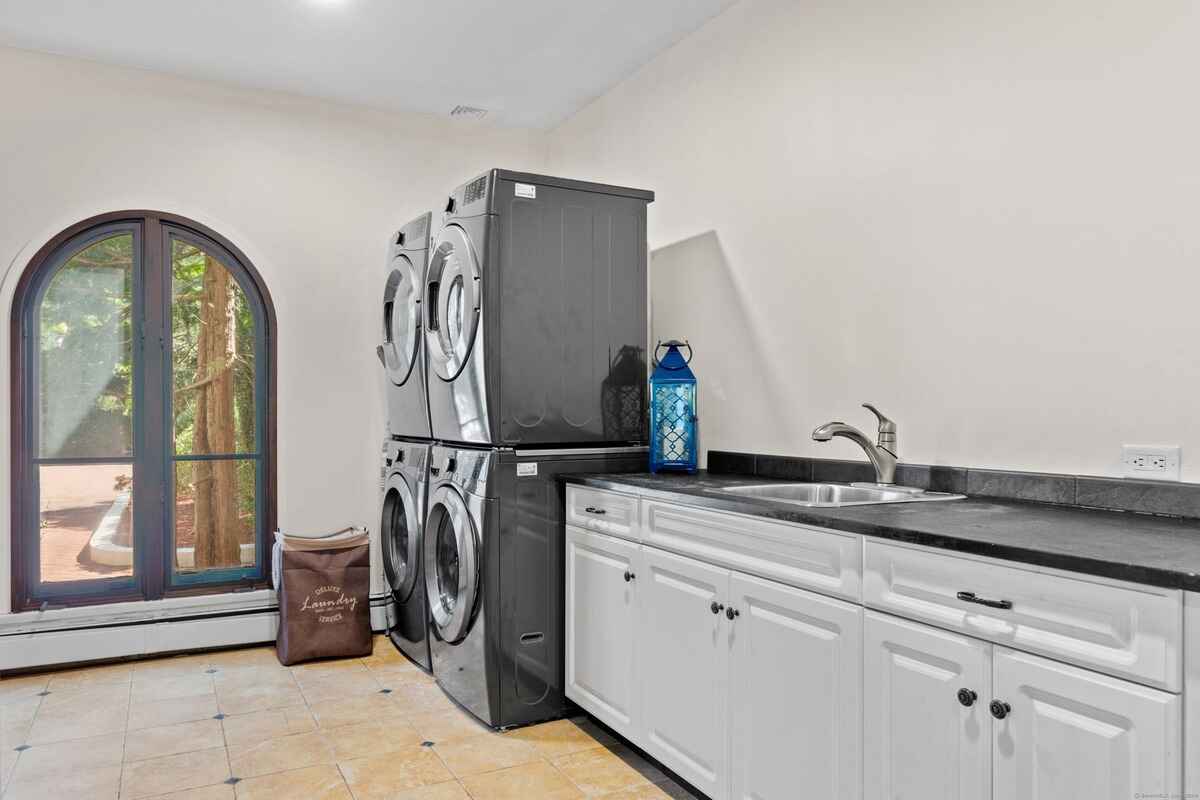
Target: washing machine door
<point>452,562</point>
<point>401,319</point>
<point>400,537</point>
<point>452,301</point>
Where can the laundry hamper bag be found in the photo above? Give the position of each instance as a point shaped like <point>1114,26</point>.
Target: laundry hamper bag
<point>324,587</point>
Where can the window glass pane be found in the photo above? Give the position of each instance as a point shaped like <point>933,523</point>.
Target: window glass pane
<point>85,354</point>
<point>214,514</point>
<point>85,522</point>
<point>212,355</point>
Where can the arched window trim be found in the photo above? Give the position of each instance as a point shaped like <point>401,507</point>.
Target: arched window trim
<point>149,581</point>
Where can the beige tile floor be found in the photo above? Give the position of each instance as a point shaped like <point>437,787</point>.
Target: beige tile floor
<point>235,725</point>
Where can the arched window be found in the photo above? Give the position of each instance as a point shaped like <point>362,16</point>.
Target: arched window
<point>143,396</point>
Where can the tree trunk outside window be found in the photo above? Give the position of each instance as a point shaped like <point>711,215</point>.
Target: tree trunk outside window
<point>216,518</point>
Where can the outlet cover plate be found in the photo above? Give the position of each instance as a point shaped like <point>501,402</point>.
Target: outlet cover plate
<point>1150,462</point>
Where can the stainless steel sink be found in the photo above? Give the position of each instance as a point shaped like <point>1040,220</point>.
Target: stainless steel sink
<point>827,495</point>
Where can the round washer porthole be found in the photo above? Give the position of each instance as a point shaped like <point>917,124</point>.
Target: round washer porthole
<point>451,564</point>
<point>452,308</point>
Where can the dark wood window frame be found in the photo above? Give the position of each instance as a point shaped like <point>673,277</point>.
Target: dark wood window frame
<point>152,564</point>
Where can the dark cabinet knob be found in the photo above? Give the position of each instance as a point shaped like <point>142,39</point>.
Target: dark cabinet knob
<point>967,697</point>
<point>716,607</point>
<point>594,510</point>
<point>1000,709</point>
<point>629,576</point>
<point>732,612</point>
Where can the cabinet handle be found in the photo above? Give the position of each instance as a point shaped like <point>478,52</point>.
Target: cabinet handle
<point>594,510</point>
<point>716,607</point>
<point>629,576</point>
<point>970,597</point>
<point>967,697</point>
<point>1000,709</point>
<point>732,612</point>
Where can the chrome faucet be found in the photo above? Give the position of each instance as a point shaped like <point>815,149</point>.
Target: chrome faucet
<point>882,454</point>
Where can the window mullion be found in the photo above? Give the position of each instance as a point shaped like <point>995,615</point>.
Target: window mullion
<point>152,391</point>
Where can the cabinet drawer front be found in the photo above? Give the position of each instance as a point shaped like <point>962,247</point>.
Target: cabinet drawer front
<point>612,513</point>
<point>1124,629</point>
<point>809,558</point>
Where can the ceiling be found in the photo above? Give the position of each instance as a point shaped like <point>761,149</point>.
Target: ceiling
<point>529,62</point>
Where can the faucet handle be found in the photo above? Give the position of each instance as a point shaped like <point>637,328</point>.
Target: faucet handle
<point>887,429</point>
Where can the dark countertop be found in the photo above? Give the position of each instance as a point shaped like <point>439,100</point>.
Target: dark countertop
<point>1161,551</point>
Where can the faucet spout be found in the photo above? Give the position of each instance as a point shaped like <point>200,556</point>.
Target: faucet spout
<point>881,458</point>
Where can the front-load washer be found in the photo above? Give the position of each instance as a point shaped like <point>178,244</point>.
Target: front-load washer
<point>535,313</point>
<point>402,351</point>
<point>495,545</point>
<point>405,476</point>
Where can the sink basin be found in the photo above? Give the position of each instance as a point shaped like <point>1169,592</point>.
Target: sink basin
<point>830,495</point>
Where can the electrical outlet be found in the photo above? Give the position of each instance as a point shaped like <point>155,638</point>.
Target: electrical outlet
<point>1149,462</point>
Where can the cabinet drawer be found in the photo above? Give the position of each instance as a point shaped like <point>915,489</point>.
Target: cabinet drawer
<point>796,555</point>
<point>1123,629</point>
<point>602,511</point>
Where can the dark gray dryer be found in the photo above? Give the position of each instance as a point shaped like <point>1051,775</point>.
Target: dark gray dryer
<point>535,313</point>
<point>495,543</point>
<point>402,351</point>
<point>405,474</point>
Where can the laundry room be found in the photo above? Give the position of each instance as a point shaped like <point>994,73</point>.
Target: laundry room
<point>694,399</point>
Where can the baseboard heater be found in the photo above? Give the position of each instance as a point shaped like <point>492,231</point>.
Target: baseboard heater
<point>131,638</point>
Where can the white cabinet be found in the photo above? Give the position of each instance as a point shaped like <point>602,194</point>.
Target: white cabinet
<point>1058,732</point>
<point>683,660</point>
<point>698,636</point>
<point>600,594</point>
<point>1072,734</point>
<point>1191,695</point>
<point>920,738</point>
<point>695,663</point>
<point>795,693</point>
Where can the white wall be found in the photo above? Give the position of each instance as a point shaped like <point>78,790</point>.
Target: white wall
<point>308,190</point>
<point>980,216</point>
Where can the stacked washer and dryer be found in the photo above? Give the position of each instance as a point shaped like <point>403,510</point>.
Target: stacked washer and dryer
<point>533,316</point>
<point>406,448</point>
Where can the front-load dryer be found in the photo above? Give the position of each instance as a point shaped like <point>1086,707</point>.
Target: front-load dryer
<point>405,476</point>
<point>402,351</point>
<point>535,313</point>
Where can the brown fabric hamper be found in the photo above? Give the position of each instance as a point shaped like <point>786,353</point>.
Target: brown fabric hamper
<point>324,591</point>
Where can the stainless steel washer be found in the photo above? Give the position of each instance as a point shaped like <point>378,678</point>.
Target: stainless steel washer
<point>402,521</point>
<point>494,549</point>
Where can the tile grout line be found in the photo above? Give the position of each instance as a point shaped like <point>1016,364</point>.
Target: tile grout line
<point>212,679</point>
<point>125,737</point>
<point>25,739</point>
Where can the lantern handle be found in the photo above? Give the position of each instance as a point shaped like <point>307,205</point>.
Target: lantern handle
<point>672,343</point>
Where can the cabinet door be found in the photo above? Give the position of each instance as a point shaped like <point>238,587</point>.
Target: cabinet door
<point>601,627</point>
<point>795,693</point>
<point>1078,735</point>
<point>919,739</point>
<point>683,663</point>
<point>1191,695</point>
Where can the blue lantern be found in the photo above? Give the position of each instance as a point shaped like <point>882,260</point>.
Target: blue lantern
<point>673,435</point>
